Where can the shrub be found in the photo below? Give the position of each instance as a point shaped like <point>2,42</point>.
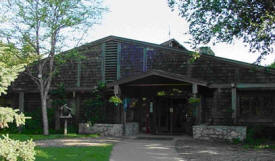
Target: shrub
<point>236,141</point>
<point>8,115</point>
<point>13,150</point>
<point>34,125</point>
<point>94,106</point>
<point>256,135</point>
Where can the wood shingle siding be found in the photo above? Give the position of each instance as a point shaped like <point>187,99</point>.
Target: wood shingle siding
<point>114,58</point>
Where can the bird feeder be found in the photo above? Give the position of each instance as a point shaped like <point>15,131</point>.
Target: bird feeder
<point>66,113</point>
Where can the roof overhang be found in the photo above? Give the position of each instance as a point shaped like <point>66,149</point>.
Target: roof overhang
<point>160,73</point>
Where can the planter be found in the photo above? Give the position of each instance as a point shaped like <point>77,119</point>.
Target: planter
<point>109,129</point>
<point>206,132</point>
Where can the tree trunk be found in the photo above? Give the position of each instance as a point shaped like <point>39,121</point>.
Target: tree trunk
<point>45,115</point>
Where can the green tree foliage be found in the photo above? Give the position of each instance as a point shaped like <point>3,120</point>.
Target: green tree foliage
<point>94,106</point>
<point>272,65</point>
<point>11,63</point>
<point>46,27</point>
<point>8,115</point>
<point>206,50</point>
<point>253,21</point>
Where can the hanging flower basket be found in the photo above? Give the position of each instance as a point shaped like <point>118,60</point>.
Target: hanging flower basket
<point>194,101</point>
<point>115,100</point>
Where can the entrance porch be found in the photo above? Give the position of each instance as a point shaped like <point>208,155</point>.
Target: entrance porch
<point>160,102</point>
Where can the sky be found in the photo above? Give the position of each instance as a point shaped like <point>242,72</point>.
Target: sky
<point>151,20</point>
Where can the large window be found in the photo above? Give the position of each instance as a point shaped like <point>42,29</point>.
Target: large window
<point>257,105</point>
<point>111,59</point>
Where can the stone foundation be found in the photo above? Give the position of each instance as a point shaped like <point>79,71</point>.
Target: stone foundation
<point>109,129</point>
<point>131,129</point>
<point>205,132</point>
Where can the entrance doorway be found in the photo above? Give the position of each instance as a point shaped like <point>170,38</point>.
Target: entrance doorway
<point>171,114</point>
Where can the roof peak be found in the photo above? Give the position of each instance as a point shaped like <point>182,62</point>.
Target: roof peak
<point>173,43</point>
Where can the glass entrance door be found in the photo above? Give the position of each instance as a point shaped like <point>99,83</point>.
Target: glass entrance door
<point>171,116</point>
<point>178,116</point>
<point>163,116</point>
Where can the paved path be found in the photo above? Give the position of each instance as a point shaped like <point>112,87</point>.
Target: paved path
<point>144,150</point>
<point>152,148</point>
<point>196,150</point>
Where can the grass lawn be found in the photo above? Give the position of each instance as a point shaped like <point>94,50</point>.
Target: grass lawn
<point>262,146</point>
<point>259,146</point>
<point>94,153</point>
<point>257,143</point>
<point>24,137</point>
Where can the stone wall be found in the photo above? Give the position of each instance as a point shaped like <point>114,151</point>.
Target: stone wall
<point>131,129</point>
<point>109,129</point>
<point>205,132</point>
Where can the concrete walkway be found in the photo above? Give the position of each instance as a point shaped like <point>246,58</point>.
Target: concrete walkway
<point>190,149</point>
<point>133,149</point>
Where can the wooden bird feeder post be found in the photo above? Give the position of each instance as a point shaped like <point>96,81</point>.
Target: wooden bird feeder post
<point>66,113</point>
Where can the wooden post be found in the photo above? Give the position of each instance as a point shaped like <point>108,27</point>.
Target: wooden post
<point>65,126</point>
<point>198,110</point>
<point>118,110</point>
<point>21,101</point>
<point>234,103</point>
<point>194,89</point>
<point>124,121</point>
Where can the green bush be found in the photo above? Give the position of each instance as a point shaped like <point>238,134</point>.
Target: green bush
<point>236,141</point>
<point>12,129</point>
<point>13,150</point>
<point>34,125</point>
<point>256,135</point>
<point>93,106</point>
<point>93,110</point>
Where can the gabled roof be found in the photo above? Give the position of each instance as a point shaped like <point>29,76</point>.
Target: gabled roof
<point>180,51</point>
<point>159,73</point>
<point>122,39</point>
